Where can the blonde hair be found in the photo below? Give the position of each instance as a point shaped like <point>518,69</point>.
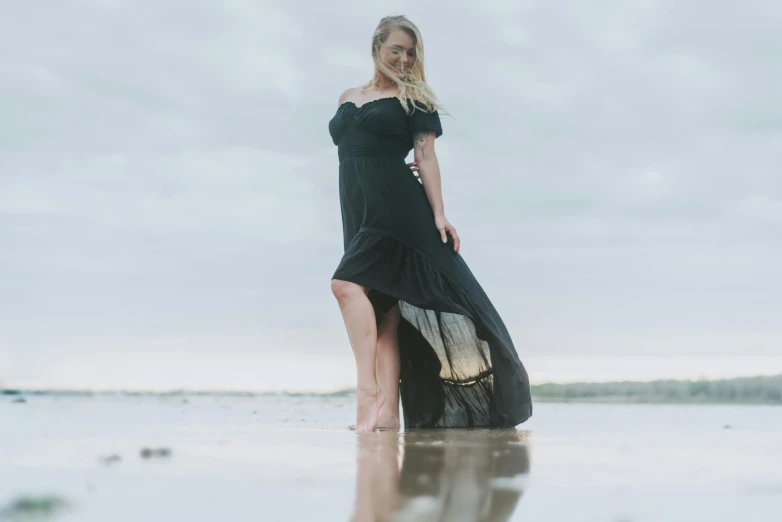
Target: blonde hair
<point>412,86</point>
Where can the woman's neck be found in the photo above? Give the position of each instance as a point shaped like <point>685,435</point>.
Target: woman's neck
<point>383,84</point>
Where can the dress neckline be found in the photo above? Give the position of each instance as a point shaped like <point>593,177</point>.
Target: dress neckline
<point>349,102</point>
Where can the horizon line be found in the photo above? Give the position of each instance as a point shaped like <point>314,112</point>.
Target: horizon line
<point>334,391</point>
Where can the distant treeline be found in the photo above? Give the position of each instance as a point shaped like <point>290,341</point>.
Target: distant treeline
<point>742,390</point>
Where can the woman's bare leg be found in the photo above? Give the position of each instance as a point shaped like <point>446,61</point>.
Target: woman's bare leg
<point>359,318</point>
<point>388,368</point>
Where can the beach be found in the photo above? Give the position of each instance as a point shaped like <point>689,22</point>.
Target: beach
<point>280,457</point>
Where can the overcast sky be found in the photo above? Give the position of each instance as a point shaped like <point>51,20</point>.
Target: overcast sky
<point>169,213</point>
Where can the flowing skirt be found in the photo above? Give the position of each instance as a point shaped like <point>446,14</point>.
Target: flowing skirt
<point>458,364</point>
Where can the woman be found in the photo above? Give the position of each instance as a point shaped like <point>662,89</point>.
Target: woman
<point>419,323</point>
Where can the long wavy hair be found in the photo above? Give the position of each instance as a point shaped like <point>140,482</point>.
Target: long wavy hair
<point>412,85</point>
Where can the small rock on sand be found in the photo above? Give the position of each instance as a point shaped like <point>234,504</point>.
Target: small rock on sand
<point>155,452</point>
<point>110,459</point>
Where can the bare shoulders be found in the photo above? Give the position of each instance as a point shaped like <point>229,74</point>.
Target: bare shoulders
<point>353,94</point>
<point>346,95</point>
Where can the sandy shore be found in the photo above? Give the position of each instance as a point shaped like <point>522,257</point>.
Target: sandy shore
<point>99,458</point>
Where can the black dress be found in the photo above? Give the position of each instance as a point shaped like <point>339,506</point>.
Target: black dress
<point>459,367</point>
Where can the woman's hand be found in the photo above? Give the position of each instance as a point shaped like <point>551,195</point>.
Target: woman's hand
<point>445,228</point>
<point>414,167</point>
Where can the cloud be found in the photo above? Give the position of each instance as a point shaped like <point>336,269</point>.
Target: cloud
<point>167,172</point>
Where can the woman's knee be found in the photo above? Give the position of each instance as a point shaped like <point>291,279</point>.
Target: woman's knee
<point>344,290</point>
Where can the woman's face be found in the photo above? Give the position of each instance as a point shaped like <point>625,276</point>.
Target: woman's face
<point>398,52</point>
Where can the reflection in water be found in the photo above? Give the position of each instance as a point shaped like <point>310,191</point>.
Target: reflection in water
<point>448,474</point>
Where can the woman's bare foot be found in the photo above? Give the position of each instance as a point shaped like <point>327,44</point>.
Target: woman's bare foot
<point>384,421</point>
<point>368,409</point>
<point>387,421</point>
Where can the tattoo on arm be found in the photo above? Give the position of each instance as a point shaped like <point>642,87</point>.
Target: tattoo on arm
<point>420,139</point>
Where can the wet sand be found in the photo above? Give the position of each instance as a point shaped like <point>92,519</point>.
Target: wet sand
<point>292,458</point>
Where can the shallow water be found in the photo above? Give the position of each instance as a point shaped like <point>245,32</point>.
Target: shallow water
<point>282,458</point>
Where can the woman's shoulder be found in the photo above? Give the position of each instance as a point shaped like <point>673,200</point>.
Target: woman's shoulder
<point>346,95</point>
<point>423,105</point>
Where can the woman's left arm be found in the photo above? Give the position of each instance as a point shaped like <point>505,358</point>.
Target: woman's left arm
<point>429,172</point>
